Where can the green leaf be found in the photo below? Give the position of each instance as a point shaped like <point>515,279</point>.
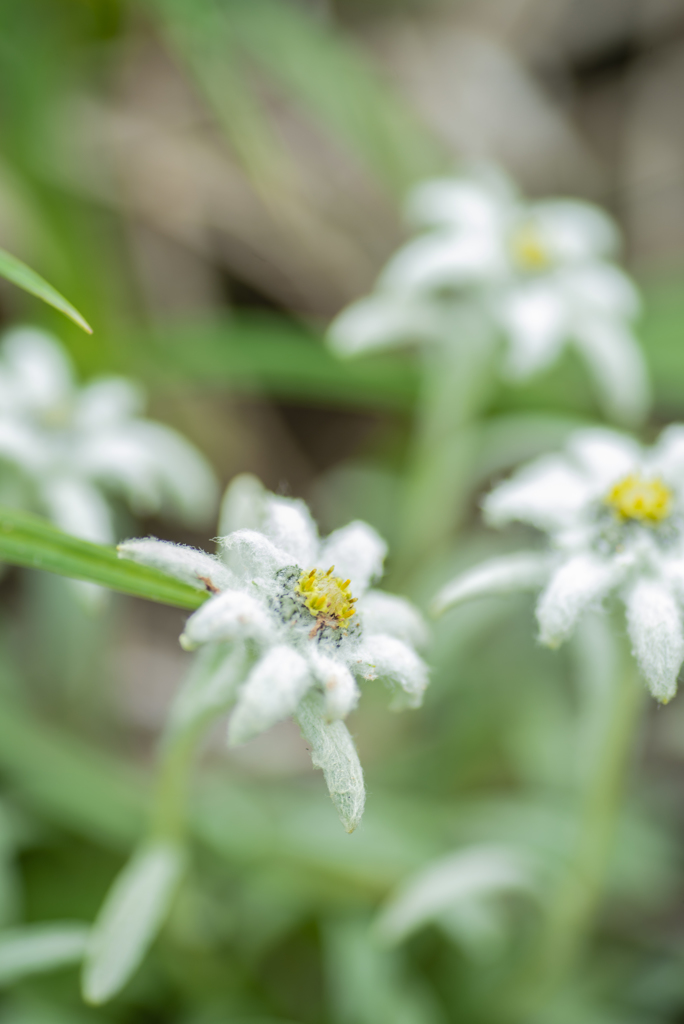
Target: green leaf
<point>68,780</point>
<point>30,541</point>
<point>21,275</point>
<point>257,354</point>
<point>130,919</point>
<point>326,74</point>
<point>35,948</point>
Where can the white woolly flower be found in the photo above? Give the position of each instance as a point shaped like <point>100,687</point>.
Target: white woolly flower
<point>302,611</point>
<point>71,447</point>
<point>541,272</point>
<point>614,513</point>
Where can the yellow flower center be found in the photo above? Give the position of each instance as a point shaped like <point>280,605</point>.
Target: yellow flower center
<point>327,597</point>
<point>528,248</point>
<point>640,499</point>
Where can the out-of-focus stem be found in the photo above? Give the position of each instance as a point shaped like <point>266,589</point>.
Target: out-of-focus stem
<point>176,755</point>
<point>208,692</point>
<point>610,725</point>
<point>456,384</point>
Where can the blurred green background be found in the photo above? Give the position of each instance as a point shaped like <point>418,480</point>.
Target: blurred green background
<point>210,181</point>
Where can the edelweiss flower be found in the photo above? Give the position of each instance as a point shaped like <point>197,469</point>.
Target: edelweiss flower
<point>614,513</point>
<point>296,614</point>
<point>540,271</point>
<point>69,447</point>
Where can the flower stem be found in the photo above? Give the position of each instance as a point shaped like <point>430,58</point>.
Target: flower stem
<point>168,820</point>
<point>208,692</point>
<point>456,385</point>
<point>611,706</point>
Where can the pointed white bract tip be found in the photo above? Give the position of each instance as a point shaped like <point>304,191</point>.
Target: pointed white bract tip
<point>333,750</point>
<point>186,643</point>
<point>655,629</point>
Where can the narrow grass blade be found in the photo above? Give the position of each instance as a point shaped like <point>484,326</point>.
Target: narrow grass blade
<point>36,948</point>
<point>35,543</point>
<point>130,919</point>
<point>21,275</point>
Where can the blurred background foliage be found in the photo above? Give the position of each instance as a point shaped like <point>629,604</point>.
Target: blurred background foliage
<point>209,182</point>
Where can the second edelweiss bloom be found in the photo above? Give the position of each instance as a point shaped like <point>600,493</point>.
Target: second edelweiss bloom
<point>293,620</point>
<point>542,274</point>
<point>614,513</point>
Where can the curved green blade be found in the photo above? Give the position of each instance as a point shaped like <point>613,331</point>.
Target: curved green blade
<point>30,541</point>
<point>21,275</point>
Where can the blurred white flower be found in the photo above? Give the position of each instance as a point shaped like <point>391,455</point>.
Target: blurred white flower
<point>614,513</point>
<point>304,622</point>
<point>71,447</point>
<point>540,271</point>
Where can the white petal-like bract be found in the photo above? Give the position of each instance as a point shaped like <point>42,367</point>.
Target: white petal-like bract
<point>654,622</point>
<point>77,507</point>
<point>252,556</point>
<point>179,560</point>
<point>395,616</point>
<point>333,751</point>
<point>288,524</point>
<point>383,321</point>
<point>547,494</point>
<point>271,692</point>
<point>394,662</point>
<point>243,504</point>
<point>232,615</point>
<point>357,551</point>
<point>617,364</point>
<point>340,692</point>
<point>524,570</point>
<point>578,583</point>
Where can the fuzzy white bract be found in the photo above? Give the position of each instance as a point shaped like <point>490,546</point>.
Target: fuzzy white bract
<point>542,273</point>
<point>65,450</point>
<point>292,626</point>
<point>614,513</point>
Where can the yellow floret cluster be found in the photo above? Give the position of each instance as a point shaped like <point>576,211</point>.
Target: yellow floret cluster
<point>644,500</point>
<point>528,248</point>
<point>327,595</point>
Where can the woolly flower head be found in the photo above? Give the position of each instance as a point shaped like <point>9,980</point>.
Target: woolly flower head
<point>541,273</point>
<point>71,447</point>
<point>614,513</point>
<point>292,624</point>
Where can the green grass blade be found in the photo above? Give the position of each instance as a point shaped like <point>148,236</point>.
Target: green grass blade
<point>333,81</point>
<point>30,541</point>
<point>21,275</point>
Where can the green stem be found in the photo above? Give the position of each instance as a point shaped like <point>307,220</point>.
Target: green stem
<point>169,811</point>
<point>456,385</point>
<point>208,692</point>
<point>611,717</point>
